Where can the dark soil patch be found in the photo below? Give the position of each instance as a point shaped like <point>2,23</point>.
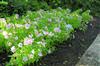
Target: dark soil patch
<point>69,53</point>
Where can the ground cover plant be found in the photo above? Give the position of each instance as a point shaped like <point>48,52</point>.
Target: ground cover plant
<point>34,35</point>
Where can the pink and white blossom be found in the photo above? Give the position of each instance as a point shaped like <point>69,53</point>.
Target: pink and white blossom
<point>28,41</point>
<point>5,34</point>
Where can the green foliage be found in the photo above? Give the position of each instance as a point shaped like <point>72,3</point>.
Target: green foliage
<point>35,34</point>
<point>93,5</point>
<point>21,6</point>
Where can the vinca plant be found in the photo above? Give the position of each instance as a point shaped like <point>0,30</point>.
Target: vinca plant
<point>34,35</point>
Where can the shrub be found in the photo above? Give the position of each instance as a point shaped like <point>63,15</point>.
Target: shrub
<point>93,5</point>
<point>35,34</point>
<point>21,6</point>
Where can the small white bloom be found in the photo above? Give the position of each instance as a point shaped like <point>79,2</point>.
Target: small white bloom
<point>35,23</point>
<point>20,45</point>
<point>16,38</point>
<point>18,25</point>
<point>9,26</point>
<point>5,34</point>
<point>57,29</point>
<point>51,34</point>
<point>40,54</point>
<point>49,51</point>
<point>28,41</point>
<point>27,26</point>
<point>33,51</point>
<point>31,35</point>
<point>13,49</point>
<point>16,16</point>
<point>58,20</point>
<point>69,26</point>
<point>50,20</point>
<point>39,42</point>
<point>42,43</point>
<point>30,56</point>
<point>9,43</point>
<point>3,20</point>
<point>45,32</point>
<point>10,34</point>
<point>25,58</point>
<point>39,35</point>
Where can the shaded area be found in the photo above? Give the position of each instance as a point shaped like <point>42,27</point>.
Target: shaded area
<point>69,53</point>
<point>91,56</point>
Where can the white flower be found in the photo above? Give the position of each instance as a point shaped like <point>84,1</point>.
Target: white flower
<point>50,20</point>
<point>39,35</point>
<point>31,35</point>
<point>25,58</point>
<point>16,16</point>
<point>49,51</point>
<point>42,43</point>
<point>16,38</point>
<point>58,20</point>
<point>45,32</point>
<point>40,54</point>
<point>20,45</point>
<point>30,56</point>
<point>51,34</point>
<point>13,49</point>
<point>57,29</point>
<point>39,42</point>
<point>28,41</point>
<point>9,43</point>
<point>3,20</point>
<point>27,26</point>
<point>10,34</point>
<point>18,25</point>
<point>69,26</point>
<point>9,26</point>
<point>33,51</point>
<point>5,34</point>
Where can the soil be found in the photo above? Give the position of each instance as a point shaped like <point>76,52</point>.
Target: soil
<point>68,53</point>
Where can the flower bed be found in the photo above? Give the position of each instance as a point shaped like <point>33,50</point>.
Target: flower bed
<point>35,34</point>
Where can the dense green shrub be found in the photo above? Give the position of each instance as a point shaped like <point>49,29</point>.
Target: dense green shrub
<point>35,34</point>
<point>21,6</point>
<point>93,5</point>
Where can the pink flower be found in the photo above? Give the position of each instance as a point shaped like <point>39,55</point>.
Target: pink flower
<point>28,41</point>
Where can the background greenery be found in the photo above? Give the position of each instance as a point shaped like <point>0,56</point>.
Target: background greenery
<point>21,6</point>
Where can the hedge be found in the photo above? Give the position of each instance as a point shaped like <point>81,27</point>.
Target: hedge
<point>21,6</point>
<point>34,35</point>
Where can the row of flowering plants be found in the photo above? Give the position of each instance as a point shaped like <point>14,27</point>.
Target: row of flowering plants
<point>34,35</point>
